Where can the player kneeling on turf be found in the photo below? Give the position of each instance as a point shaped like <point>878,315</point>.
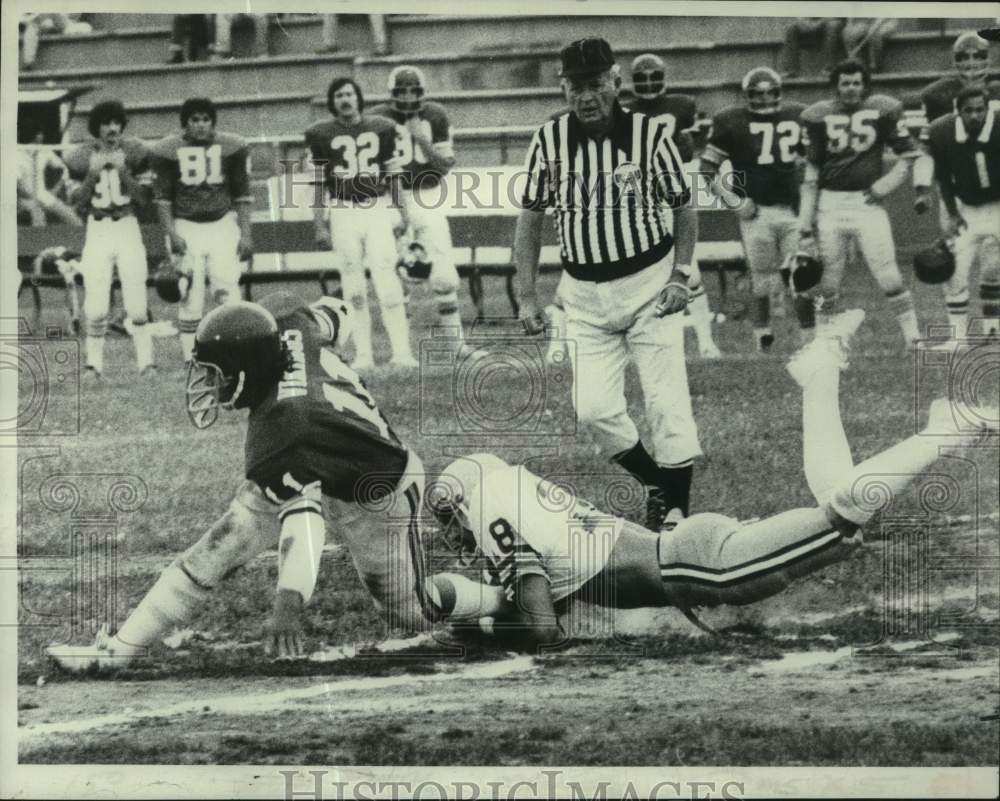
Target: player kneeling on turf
<point>545,547</point>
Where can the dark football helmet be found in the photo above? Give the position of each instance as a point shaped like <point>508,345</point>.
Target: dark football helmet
<point>762,90</point>
<point>649,75</point>
<point>171,284</point>
<point>406,89</point>
<point>414,265</point>
<point>971,57</point>
<point>238,356</point>
<point>936,264</point>
<point>802,272</point>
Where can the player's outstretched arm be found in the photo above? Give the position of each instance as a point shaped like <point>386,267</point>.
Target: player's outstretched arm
<point>333,317</point>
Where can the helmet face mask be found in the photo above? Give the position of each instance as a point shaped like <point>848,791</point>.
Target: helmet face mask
<point>971,57</point>
<point>445,500</point>
<point>649,75</point>
<point>406,90</point>
<point>207,391</point>
<point>762,90</point>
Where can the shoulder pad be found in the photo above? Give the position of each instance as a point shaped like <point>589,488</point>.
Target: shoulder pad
<point>942,128</point>
<point>231,143</point>
<point>884,104</point>
<point>381,110</point>
<point>318,128</point>
<point>379,124</point>
<point>680,99</point>
<point>940,86</point>
<point>993,88</point>
<point>78,159</point>
<point>432,109</point>
<point>793,109</point>
<point>166,148</point>
<point>729,117</point>
<point>817,111</point>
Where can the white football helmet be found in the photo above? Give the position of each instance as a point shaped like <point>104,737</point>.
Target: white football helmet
<point>971,56</point>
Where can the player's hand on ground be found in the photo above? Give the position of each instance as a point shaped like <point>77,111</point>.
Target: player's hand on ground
<point>178,244</point>
<point>956,224</point>
<point>244,248</point>
<point>673,298</point>
<point>284,637</point>
<point>747,210</point>
<point>923,200</point>
<point>532,317</point>
<point>323,239</point>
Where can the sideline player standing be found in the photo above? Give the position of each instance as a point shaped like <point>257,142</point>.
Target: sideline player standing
<point>965,147</point>
<point>356,152</point>
<point>424,147</point>
<point>315,438</point>
<point>677,112</point>
<point>201,176</point>
<point>109,169</point>
<point>763,141</point>
<point>545,547</point>
<point>627,233</point>
<point>844,186</point>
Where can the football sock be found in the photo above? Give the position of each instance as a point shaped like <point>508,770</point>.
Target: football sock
<point>172,600</point>
<point>762,311</point>
<point>901,304</point>
<point>805,312</point>
<point>957,304</point>
<point>763,338</point>
<point>826,454</point>
<point>640,464</point>
<point>394,319</point>
<point>361,333</point>
<point>701,317</point>
<point>989,294</point>
<point>187,329</point>
<point>448,316</point>
<point>675,482</point>
<point>143,343</point>
<point>96,330</point>
<point>459,597</point>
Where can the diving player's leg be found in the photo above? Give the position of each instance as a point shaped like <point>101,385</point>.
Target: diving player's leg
<point>96,265</point>
<point>875,241</point>
<point>348,245</point>
<point>248,527</point>
<point>132,270</point>
<point>380,256</point>
<point>192,306</point>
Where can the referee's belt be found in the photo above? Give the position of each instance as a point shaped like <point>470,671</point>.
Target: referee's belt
<point>108,215</point>
<point>613,270</point>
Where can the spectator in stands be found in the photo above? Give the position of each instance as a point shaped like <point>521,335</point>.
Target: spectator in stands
<point>224,33</point>
<point>32,26</point>
<point>196,29</point>
<point>41,177</point>
<point>821,31</point>
<point>380,43</point>
<point>865,37</point>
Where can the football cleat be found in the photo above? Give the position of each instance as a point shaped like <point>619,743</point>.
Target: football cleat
<point>936,264</point>
<point>92,375</point>
<point>762,90</point>
<point>406,89</point>
<point>648,76</point>
<point>970,56</point>
<point>656,509</point>
<point>104,654</point>
<point>673,517</point>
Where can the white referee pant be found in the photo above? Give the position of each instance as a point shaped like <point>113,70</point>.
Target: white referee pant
<point>610,322</point>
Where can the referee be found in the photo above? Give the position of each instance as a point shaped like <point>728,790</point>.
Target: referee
<point>627,234</point>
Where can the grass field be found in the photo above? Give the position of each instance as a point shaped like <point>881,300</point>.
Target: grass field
<point>888,659</point>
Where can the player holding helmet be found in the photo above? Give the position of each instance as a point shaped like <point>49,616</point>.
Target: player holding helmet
<point>762,140</point>
<point>316,442</point>
<point>546,548</point>
<point>677,112</point>
<point>202,176</point>
<point>424,147</point>
<point>844,186</point>
<point>356,153</point>
<point>109,169</point>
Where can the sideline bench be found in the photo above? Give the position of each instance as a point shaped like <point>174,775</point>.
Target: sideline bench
<point>719,250</point>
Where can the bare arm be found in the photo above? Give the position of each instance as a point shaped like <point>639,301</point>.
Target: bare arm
<point>527,248</point>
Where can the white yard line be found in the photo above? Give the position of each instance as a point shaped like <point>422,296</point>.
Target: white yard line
<point>249,704</point>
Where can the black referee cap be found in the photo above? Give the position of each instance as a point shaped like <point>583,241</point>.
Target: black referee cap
<point>586,57</point>
<point>991,34</point>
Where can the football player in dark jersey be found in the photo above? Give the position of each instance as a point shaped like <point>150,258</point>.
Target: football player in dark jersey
<point>317,449</point>
<point>424,146</point>
<point>965,147</point>
<point>762,140</point>
<point>111,168</point>
<point>844,186</point>
<point>677,112</point>
<point>971,59</point>
<point>357,155</point>
<point>203,200</point>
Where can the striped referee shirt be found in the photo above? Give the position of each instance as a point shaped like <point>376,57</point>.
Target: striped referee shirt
<point>613,198</point>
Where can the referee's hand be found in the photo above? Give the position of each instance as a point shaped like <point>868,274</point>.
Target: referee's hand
<point>532,317</point>
<point>673,298</point>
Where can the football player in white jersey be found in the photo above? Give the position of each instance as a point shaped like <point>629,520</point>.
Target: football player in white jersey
<point>545,547</point>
